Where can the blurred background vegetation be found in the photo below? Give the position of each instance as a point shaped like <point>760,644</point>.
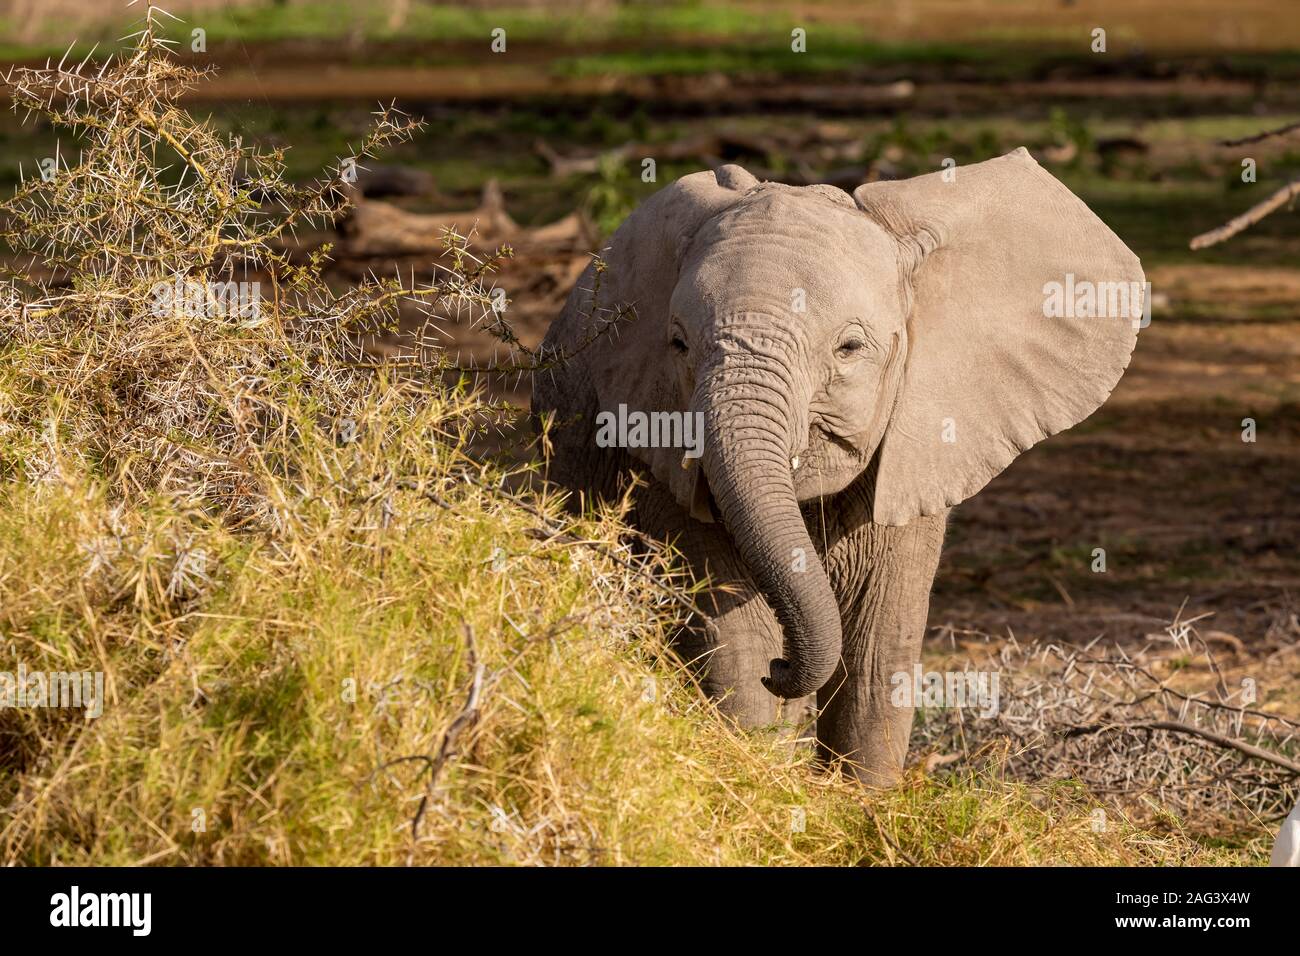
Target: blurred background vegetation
<point>1132,129</point>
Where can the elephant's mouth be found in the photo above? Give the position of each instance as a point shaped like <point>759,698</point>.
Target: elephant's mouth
<point>702,506</point>
<point>827,465</point>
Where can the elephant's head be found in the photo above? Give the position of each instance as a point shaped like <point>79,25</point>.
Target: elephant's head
<point>819,335</point>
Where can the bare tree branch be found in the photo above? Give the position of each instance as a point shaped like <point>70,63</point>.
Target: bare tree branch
<point>1177,727</point>
<point>1248,218</point>
<point>1260,137</point>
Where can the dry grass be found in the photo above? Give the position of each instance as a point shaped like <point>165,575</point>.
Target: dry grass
<point>290,698</point>
<point>327,635</point>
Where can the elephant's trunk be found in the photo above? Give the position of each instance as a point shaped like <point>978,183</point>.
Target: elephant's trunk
<point>751,410</point>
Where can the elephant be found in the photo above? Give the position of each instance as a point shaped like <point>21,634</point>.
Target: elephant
<point>858,364</point>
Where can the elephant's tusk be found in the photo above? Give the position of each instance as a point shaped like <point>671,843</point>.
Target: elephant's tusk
<point>687,462</point>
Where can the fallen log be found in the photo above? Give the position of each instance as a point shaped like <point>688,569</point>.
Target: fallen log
<point>375,228</point>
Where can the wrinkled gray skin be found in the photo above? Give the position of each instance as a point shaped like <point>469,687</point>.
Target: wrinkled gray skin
<point>862,364</point>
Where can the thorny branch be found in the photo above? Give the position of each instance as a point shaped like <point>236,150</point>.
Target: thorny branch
<point>1108,722</point>
<point>156,200</point>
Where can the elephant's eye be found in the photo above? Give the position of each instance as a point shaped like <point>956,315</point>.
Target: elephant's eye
<point>679,343</point>
<point>850,347</point>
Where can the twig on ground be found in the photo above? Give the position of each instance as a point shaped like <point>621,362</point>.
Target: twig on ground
<point>466,718</point>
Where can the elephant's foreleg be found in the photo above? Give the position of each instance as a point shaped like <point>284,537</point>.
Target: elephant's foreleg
<point>883,576</point>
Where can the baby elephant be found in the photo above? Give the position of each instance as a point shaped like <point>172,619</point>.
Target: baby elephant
<point>808,381</point>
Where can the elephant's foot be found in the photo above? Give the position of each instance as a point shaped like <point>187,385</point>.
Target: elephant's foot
<point>861,728</point>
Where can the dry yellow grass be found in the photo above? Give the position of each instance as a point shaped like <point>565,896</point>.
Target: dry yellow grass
<point>280,711</point>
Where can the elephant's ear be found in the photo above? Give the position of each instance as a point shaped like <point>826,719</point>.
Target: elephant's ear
<point>628,366</point>
<point>998,251</point>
